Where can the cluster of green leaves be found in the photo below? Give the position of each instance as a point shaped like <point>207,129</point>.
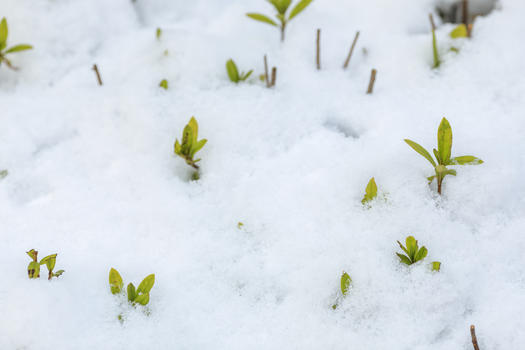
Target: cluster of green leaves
<point>443,154</point>
<point>413,253</point>
<point>139,295</point>
<point>164,84</point>
<point>33,269</point>
<point>190,143</point>
<point>3,45</point>
<point>345,283</point>
<point>370,191</point>
<point>281,6</point>
<point>233,72</point>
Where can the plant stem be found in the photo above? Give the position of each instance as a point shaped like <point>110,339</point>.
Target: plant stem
<point>318,51</point>
<point>274,75</point>
<point>283,27</point>
<point>474,339</point>
<point>351,50</point>
<point>95,68</point>
<point>440,182</point>
<point>266,76</point>
<point>431,18</point>
<point>464,12</point>
<point>372,81</point>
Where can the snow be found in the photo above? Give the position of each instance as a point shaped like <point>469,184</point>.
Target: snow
<point>92,177</point>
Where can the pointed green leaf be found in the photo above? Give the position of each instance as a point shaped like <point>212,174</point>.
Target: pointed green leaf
<point>459,32</point>
<point>3,33</point>
<point>299,8</point>
<point>33,269</point>
<point>437,61</point>
<point>280,5</point>
<point>421,254</point>
<point>18,48</point>
<point>411,245</point>
<point>450,172</point>
<point>465,160</point>
<point>194,129</point>
<point>187,140</point>
<point>198,147</point>
<point>247,75</point>
<point>431,178</point>
<point>142,299</point>
<point>115,281</point>
<point>33,254</point>
<point>261,18</point>
<point>131,292</point>
<point>146,284</point>
<point>233,73</point>
<point>419,149</point>
<point>50,261</point>
<point>404,259</point>
<point>436,154</point>
<point>436,266</point>
<point>444,141</point>
<point>402,247</point>
<point>345,283</point>
<point>58,273</point>
<point>370,191</point>
<point>177,148</point>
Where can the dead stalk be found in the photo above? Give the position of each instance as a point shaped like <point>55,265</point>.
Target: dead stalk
<point>318,56</point>
<point>372,81</point>
<point>95,68</point>
<point>274,75</point>
<point>474,338</point>
<point>351,50</point>
<point>432,21</point>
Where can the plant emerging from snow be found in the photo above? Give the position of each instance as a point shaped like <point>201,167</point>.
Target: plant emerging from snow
<point>140,295</point>
<point>233,72</point>
<point>346,281</point>
<point>3,173</point>
<point>3,45</point>
<point>412,250</point>
<point>281,6</point>
<point>190,143</point>
<point>443,154</point>
<point>370,191</point>
<point>33,269</point>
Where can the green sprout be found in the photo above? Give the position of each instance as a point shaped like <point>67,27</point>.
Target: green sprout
<point>370,191</point>
<point>139,295</point>
<point>33,269</point>
<point>190,143</point>
<point>412,250</point>
<point>158,33</point>
<point>164,84</point>
<point>281,6</point>
<point>233,72</point>
<point>3,45</point>
<point>459,32</point>
<point>443,154</point>
<point>346,281</point>
<point>3,173</point>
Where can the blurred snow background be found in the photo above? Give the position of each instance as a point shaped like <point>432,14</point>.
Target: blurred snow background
<point>93,177</point>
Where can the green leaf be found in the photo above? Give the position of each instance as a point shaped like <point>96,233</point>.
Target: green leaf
<point>280,5</point>
<point>58,273</point>
<point>444,137</point>
<point>436,266</point>
<point>465,160</point>
<point>404,259</point>
<point>146,284</point>
<point>459,32</point>
<point>402,247</point>
<point>131,292</point>
<point>431,178</point>
<point>115,281</point>
<point>50,261</point>
<point>164,84</point>
<point>142,299</point>
<point>177,148</point>
<point>436,154</point>
<point>299,8</point>
<point>33,269</point>
<point>3,33</point>
<point>246,76</point>
<point>450,172</point>
<point>198,147</point>
<point>187,140</point>
<point>194,128</point>
<point>411,245</point>
<point>419,149</point>
<point>33,254</point>
<point>18,48</point>
<point>437,61</point>
<point>421,254</point>
<point>370,191</point>
<point>233,73</point>
<point>345,283</point>
<point>261,18</point>
<point>158,33</point>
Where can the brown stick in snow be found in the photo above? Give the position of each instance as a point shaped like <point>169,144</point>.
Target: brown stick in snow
<point>464,12</point>
<point>95,68</point>
<point>372,81</point>
<point>274,75</point>
<point>351,50</point>
<point>474,339</point>
<point>318,56</point>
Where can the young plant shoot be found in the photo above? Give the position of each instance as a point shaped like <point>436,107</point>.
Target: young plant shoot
<point>437,61</point>
<point>281,6</point>
<point>370,192</point>
<point>3,45</point>
<point>3,173</point>
<point>346,281</point>
<point>233,72</point>
<point>33,269</point>
<point>190,144</point>
<point>443,155</point>
<point>412,250</point>
<point>139,295</point>
<point>164,84</point>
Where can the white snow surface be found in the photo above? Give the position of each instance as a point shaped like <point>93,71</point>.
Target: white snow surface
<point>92,177</point>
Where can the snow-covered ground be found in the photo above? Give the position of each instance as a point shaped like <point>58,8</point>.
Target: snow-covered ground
<point>92,177</point>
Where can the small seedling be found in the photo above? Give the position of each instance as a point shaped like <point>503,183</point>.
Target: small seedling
<point>3,173</point>
<point>233,72</point>
<point>443,154</point>
<point>3,45</point>
<point>164,84</point>
<point>281,6</point>
<point>370,191</point>
<point>346,281</point>
<point>436,266</point>
<point>158,33</point>
<point>412,250</point>
<point>190,144</point>
<point>33,269</point>
<point>140,295</point>
<point>240,225</point>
